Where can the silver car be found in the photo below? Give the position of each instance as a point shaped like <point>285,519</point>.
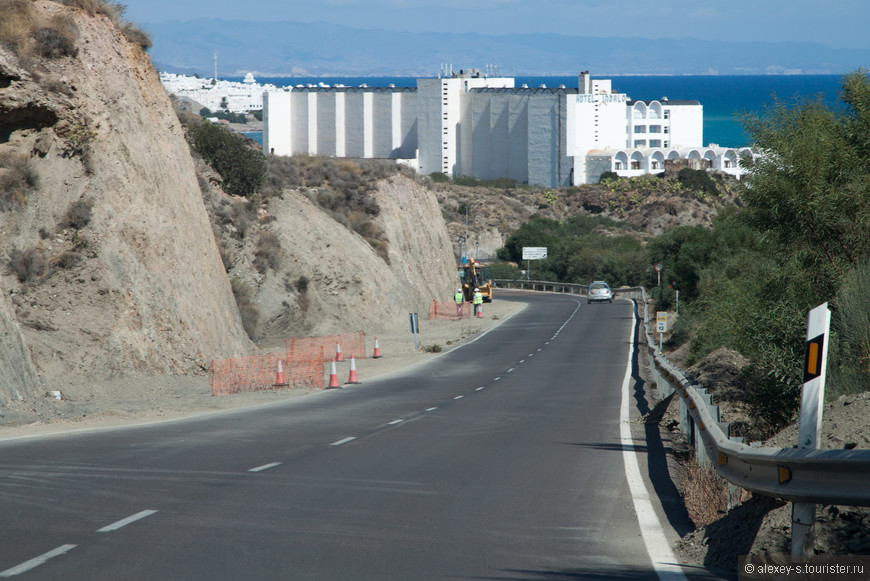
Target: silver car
<point>599,292</point>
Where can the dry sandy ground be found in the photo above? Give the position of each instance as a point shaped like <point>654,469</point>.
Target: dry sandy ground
<point>154,398</point>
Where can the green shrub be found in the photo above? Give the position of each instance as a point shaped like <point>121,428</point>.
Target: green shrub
<point>849,361</point>
<point>242,168</point>
<point>503,270</point>
<point>697,180</point>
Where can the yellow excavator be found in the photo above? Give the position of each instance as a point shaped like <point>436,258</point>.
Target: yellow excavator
<point>473,275</point>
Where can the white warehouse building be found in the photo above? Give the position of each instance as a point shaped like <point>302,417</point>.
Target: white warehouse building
<point>485,127</point>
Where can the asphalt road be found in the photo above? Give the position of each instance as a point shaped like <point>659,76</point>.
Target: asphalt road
<point>502,459</point>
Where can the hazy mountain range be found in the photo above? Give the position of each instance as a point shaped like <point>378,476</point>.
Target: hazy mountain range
<point>321,49</point>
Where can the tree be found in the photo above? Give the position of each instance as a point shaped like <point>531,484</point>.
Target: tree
<point>810,190</point>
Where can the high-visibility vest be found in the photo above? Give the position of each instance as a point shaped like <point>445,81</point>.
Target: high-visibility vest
<point>478,298</point>
<point>458,298</point>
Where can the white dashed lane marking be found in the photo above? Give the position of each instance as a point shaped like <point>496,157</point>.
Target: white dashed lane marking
<point>264,467</point>
<point>125,521</point>
<point>36,561</point>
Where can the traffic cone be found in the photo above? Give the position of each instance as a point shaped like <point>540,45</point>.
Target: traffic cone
<point>377,352</point>
<point>479,311</point>
<point>352,378</point>
<point>279,381</point>
<point>333,377</point>
<point>338,352</point>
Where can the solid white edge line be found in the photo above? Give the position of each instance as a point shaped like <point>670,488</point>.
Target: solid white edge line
<point>124,522</point>
<point>657,546</point>
<point>36,561</point>
<point>343,441</point>
<point>264,467</point>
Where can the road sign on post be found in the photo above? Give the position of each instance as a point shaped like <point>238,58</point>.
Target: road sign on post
<point>661,325</point>
<point>803,514</point>
<point>533,253</point>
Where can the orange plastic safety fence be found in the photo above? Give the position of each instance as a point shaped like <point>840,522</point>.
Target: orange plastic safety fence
<point>349,344</point>
<point>260,372</point>
<point>448,310</point>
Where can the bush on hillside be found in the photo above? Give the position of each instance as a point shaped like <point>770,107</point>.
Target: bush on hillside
<point>698,180</point>
<point>242,168</point>
<point>28,265</point>
<point>78,215</point>
<point>268,253</point>
<point>57,39</point>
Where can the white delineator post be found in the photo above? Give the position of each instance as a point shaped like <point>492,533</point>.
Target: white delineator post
<point>810,424</point>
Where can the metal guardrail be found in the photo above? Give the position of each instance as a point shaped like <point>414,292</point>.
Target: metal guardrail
<point>797,475</point>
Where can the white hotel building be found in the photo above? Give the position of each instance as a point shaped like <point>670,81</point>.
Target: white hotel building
<point>485,127</point>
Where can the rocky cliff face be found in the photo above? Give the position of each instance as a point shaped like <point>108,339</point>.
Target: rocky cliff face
<point>113,268</point>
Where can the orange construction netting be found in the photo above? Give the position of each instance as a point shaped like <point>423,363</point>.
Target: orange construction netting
<point>261,372</point>
<point>349,343</point>
<point>448,310</point>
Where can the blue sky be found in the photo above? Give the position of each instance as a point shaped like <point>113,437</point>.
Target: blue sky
<point>835,23</point>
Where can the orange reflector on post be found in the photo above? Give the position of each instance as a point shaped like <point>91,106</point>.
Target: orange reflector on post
<point>723,459</point>
<point>813,367</point>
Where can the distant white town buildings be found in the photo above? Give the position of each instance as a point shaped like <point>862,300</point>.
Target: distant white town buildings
<point>218,95</point>
<point>476,125</point>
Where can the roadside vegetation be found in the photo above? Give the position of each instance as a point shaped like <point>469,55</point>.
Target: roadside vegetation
<point>800,238</point>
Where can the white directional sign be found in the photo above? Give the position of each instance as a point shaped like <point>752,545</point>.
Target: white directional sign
<point>534,252</point>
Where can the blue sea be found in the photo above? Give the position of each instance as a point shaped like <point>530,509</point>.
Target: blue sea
<point>724,98</point>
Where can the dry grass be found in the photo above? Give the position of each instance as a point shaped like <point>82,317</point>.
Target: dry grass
<point>18,179</point>
<point>17,26</point>
<point>268,253</point>
<point>704,493</point>
<point>341,187</point>
<point>248,310</point>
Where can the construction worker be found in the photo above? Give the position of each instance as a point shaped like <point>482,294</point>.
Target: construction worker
<point>459,300</point>
<point>478,302</point>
